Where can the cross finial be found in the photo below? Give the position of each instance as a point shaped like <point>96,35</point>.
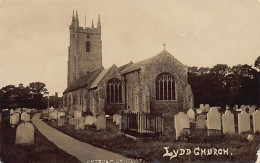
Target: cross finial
<point>164,46</point>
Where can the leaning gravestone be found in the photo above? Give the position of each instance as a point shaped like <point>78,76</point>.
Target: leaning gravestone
<point>207,107</point>
<point>25,134</point>
<point>243,122</point>
<point>191,115</point>
<point>228,122</point>
<point>89,120</point>
<point>256,121</point>
<point>181,121</point>
<point>118,119</point>
<point>101,122</point>
<point>201,121</point>
<point>213,119</point>
<point>202,107</point>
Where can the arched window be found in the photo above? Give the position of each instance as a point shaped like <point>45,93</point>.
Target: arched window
<point>88,46</point>
<point>165,87</point>
<point>114,91</point>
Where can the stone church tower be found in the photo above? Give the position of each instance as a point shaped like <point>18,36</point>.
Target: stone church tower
<point>85,50</point>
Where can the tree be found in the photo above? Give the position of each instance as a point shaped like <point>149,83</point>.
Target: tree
<point>36,91</point>
<point>257,62</point>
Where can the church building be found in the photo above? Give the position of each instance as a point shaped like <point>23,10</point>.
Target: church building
<point>155,85</point>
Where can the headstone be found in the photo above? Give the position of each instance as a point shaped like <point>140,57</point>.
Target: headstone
<point>11,111</point>
<point>207,107</point>
<point>227,107</point>
<point>213,119</point>
<point>53,115</point>
<point>181,121</point>
<point>80,124</point>
<point>252,110</point>
<point>61,122</point>
<point>228,122</point>
<point>23,115</point>
<point>201,121</point>
<point>243,122</point>
<point>27,118</point>
<point>191,115</point>
<point>123,124</point>
<point>256,121</point>
<point>89,120</point>
<point>250,137</point>
<point>14,119</point>
<point>77,113</point>
<point>94,120</point>
<point>60,114</point>
<point>101,122</point>
<point>202,107</point>
<point>118,119</point>
<point>243,107</point>
<point>199,111</point>
<point>25,134</point>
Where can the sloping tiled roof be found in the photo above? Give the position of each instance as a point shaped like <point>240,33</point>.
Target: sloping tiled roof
<point>121,68</point>
<point>100,77</point>
<point>84,81</point>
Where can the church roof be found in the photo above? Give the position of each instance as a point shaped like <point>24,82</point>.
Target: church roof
<point>100,77</point>
<point>84,81</point>
<point>138,65</point>
<point>124,66</point>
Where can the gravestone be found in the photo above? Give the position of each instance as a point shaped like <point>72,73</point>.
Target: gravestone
<point>80,125</point>
<point>191,115</point>
<point>115,116</point>
<point>123,124</point>
<point>256,121</point>
<point>77,114</point>
<point>181,121</point>
<point>23,115</point>
<point>89,120</point>
<point>243,107</point>
<point>201,121</point>
<point>11,111</point>
<point>252,110</point>
<point>61,122</point>
<point>213,119</point>
<point>228,122</point>
<point>227,107</point>
<point>27,118</point>
<point>199,111</point>
<point>118,119</point>
<point>207,107</point>
<point>101,122</point>
<point>25,134</point>
<point>94,119</point>
<point>60,114</point>
<point>243,122</point>
<point>53,115</point>
<point>202,107</point>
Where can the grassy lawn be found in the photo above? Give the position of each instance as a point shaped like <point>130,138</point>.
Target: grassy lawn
<point>42,151</point>
<point>151,150</point>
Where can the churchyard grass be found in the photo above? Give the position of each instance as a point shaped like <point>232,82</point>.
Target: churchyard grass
<point>41,151</point>
<point>151,150</point>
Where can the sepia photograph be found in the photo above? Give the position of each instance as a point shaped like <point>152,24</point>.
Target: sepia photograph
<point>129,81</point>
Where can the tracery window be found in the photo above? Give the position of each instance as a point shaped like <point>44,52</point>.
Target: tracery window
<point>88,46</point>
<point>114,91</point>
<point>165,87</point>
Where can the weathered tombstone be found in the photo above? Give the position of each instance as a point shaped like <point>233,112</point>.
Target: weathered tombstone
<point>202,107</point>
<point>256,121</point>
<point>199,111</point>
<point>243,122</point>
<point>60,114</point>
<point>207,107</point>
<point>227,107</point>
<point>11,111</point>
<point>118,119</point>
<point>25,134</point>
<point>94,119</point>
<point>213,119</point>
<point>252,110</point>
<point>181,121</point>
<point>101,122</point>
<point>123,124</point>
<point>27,118</point>
<point>191,115</point>
<point>228,122</point>
<point>77,113</point>
<point>53,115</point>
<point>23,115</point>
<point>80,124</point>
<point>243,107</point>
<point>201,121</point>
<point>61,122</point>
<point>89,120</point>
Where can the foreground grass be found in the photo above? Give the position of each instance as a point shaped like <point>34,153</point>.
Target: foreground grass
<point>41,151</point>
<point>152,150</point>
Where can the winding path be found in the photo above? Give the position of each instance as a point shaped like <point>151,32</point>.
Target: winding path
<point>83,151</point>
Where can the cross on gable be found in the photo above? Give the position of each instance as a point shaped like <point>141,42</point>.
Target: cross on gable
<point>164,46</point>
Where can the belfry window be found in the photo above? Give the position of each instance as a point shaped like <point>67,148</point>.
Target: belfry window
<point>165,87</point>
<point>88,46</point>
<point>114,91</point>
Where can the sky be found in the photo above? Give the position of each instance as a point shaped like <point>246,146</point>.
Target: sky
<point>34,35</point>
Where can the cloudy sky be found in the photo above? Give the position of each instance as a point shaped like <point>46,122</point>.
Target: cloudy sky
<point>34,35</point>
